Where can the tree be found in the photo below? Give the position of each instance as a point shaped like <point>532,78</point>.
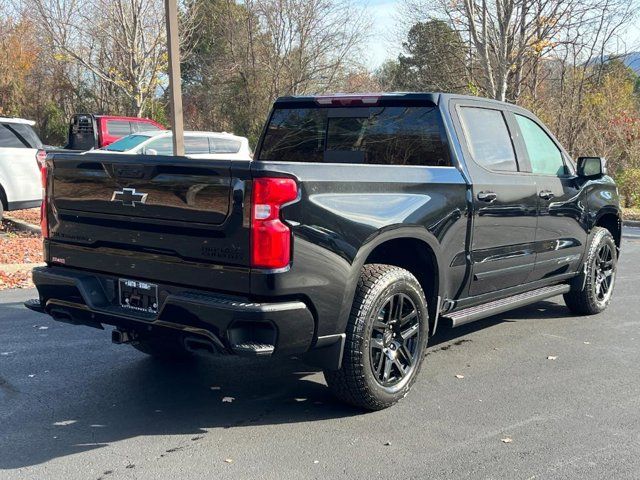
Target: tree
<point>434,59</point>
<point>509,37</point>
<point>18,54</point>
<point>247,54</point>
<point>119,43</point>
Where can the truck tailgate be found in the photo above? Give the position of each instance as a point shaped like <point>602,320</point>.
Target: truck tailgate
<point>152,217</point>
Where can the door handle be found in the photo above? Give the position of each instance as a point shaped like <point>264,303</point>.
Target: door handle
<point>487,197</point>
<point>546,194</point>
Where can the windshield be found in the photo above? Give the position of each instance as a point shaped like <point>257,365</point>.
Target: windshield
<point>126,143</point>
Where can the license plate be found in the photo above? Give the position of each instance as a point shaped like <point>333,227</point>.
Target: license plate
<point>139,296</point>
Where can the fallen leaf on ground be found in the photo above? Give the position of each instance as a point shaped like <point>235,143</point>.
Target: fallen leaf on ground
<point>21,279</point>
<point>15,249</point>
<point>30,215</point>
<point>64,423</point>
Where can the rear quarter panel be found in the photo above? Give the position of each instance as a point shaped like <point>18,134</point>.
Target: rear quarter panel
<point>345,211</point>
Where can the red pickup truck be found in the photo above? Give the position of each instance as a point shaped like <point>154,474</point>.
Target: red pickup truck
<point>87,131</point>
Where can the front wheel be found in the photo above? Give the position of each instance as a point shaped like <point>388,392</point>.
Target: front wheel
<point>387,333</point>
<point>601,264</point>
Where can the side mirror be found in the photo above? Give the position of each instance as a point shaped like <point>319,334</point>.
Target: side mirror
<point>150,151</point>
<point>591,167</point>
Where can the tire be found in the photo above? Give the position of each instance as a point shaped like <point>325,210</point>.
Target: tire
<point>377,338</point>
<point>3,202</point>
<point>601,264</point>
<point>168,349</point>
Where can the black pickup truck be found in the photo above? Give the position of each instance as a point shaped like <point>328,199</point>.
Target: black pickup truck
<point>363,225</point>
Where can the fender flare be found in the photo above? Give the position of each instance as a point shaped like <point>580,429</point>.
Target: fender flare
<point>380,237</point>
<point>606,210</point>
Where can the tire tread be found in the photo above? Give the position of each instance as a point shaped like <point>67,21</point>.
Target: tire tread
<point>581,301</point>
<point>348,383</point>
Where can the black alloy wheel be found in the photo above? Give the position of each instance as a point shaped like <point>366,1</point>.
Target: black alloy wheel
<point>394,340</point>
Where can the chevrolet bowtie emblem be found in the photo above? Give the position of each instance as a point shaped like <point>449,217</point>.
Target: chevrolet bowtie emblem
<point>129,197</point>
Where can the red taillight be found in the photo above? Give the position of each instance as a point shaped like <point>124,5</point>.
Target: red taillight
<point>44,222</point>
<point>270,237</point>
<point>41,156</point>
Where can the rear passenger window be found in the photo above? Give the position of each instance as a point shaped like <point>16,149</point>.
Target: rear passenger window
<point>385,135</point>
<point>27,135</point>
<point>223,145</point>
<point>118,128</point>
<point>488,139</point>
<point>544,155</point>
<point>10,138</point>
<point>143,127</point>
<point>162,146</point>
<point>196,145</point>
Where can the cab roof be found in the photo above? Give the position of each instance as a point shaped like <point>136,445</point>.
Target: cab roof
<point>375,98</point>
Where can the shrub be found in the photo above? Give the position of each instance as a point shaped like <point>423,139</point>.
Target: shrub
<point>629,186</point>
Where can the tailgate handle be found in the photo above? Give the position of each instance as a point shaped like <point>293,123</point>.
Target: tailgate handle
<point>129,172</point>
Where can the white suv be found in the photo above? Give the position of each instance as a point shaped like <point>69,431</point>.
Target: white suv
<point>20,157</point>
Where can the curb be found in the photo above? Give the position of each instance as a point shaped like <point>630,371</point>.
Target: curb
<point>24,226</point>
<point>631,223</point>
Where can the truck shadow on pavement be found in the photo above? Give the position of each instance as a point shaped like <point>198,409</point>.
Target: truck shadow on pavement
<point>115,393</point>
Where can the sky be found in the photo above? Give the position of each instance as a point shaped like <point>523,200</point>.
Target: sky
<point>382,14</point>
<point>383,17</point>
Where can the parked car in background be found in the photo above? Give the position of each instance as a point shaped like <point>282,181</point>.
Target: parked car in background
<point>88,131</point>
<point>204,145</point>
<point>21,153</point>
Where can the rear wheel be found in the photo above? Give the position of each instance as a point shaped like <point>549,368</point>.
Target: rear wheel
<point>163,348</point>
<point>386,337</point>
<point>602,260</point>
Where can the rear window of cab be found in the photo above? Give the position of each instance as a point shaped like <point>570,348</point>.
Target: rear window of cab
<point>381,135</point>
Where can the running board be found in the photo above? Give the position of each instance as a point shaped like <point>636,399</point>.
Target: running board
<point>471,314</point>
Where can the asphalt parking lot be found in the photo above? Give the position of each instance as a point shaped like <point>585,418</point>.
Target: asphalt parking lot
<point>74,406</point>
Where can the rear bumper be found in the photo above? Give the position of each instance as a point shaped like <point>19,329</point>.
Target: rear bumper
<point>85,298</point>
